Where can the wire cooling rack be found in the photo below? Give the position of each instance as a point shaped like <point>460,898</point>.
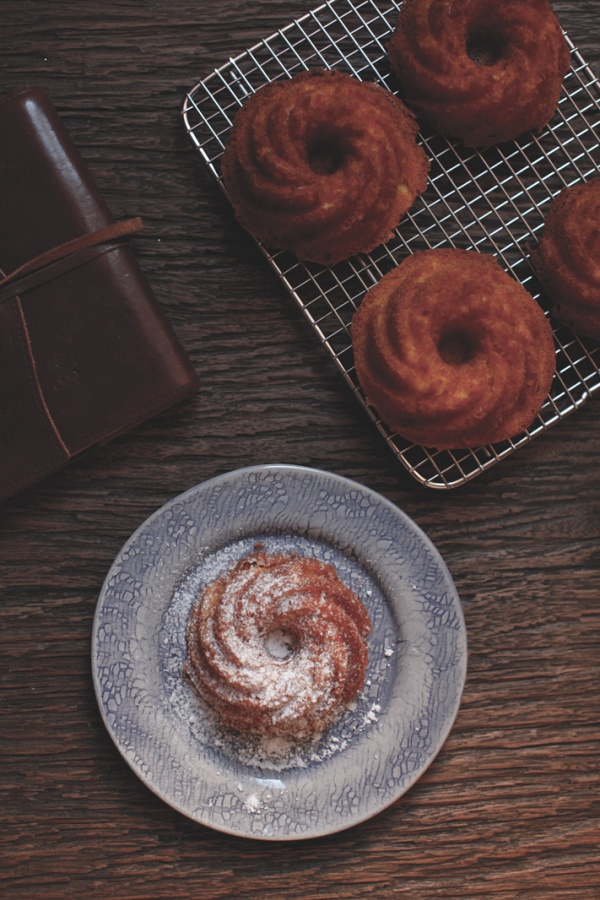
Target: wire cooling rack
<point>494,201</point>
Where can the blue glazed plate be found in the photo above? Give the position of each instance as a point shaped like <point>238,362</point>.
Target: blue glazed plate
<point>271,789</point>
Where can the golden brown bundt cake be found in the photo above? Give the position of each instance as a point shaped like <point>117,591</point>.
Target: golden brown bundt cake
<point>277,646</point>
<point>484,71</point>
<point>323,164</point>
<point>452,351</point>
<point>567,261</point>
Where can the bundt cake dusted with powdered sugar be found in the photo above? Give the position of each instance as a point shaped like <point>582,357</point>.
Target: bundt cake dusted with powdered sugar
<point>277,645</point>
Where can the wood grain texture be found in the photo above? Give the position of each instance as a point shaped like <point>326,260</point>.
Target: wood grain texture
<point>510,807</point>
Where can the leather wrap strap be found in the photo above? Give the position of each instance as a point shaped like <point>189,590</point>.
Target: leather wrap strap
<point>55,262</point>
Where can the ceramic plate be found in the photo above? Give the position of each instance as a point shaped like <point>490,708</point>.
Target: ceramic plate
<point>273,790</point>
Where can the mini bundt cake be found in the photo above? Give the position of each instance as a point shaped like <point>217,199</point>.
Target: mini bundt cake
<point>567,261</point>
<point>323,164</point>
<point>453,352</point>
<point>277,646</point>
<point>484,71</point>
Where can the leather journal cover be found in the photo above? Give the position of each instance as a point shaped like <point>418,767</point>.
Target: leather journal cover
<point>86,352</point>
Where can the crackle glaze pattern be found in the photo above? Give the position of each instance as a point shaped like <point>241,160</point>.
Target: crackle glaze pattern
<point>380,747</point>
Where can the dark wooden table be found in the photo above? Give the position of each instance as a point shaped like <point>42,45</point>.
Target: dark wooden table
<point>510,807</point>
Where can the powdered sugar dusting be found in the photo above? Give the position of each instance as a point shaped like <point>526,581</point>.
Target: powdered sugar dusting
<point>280,643</point>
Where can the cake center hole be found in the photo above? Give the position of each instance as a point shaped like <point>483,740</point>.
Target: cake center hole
<point>456,347</point>
<point>280,643</point>
<point>325,153</point>
<point>485,47</point>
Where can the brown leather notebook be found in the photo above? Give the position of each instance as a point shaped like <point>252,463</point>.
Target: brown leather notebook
<point>86,352</point>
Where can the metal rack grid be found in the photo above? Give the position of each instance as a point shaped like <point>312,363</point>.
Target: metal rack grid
<point>493,201</point>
